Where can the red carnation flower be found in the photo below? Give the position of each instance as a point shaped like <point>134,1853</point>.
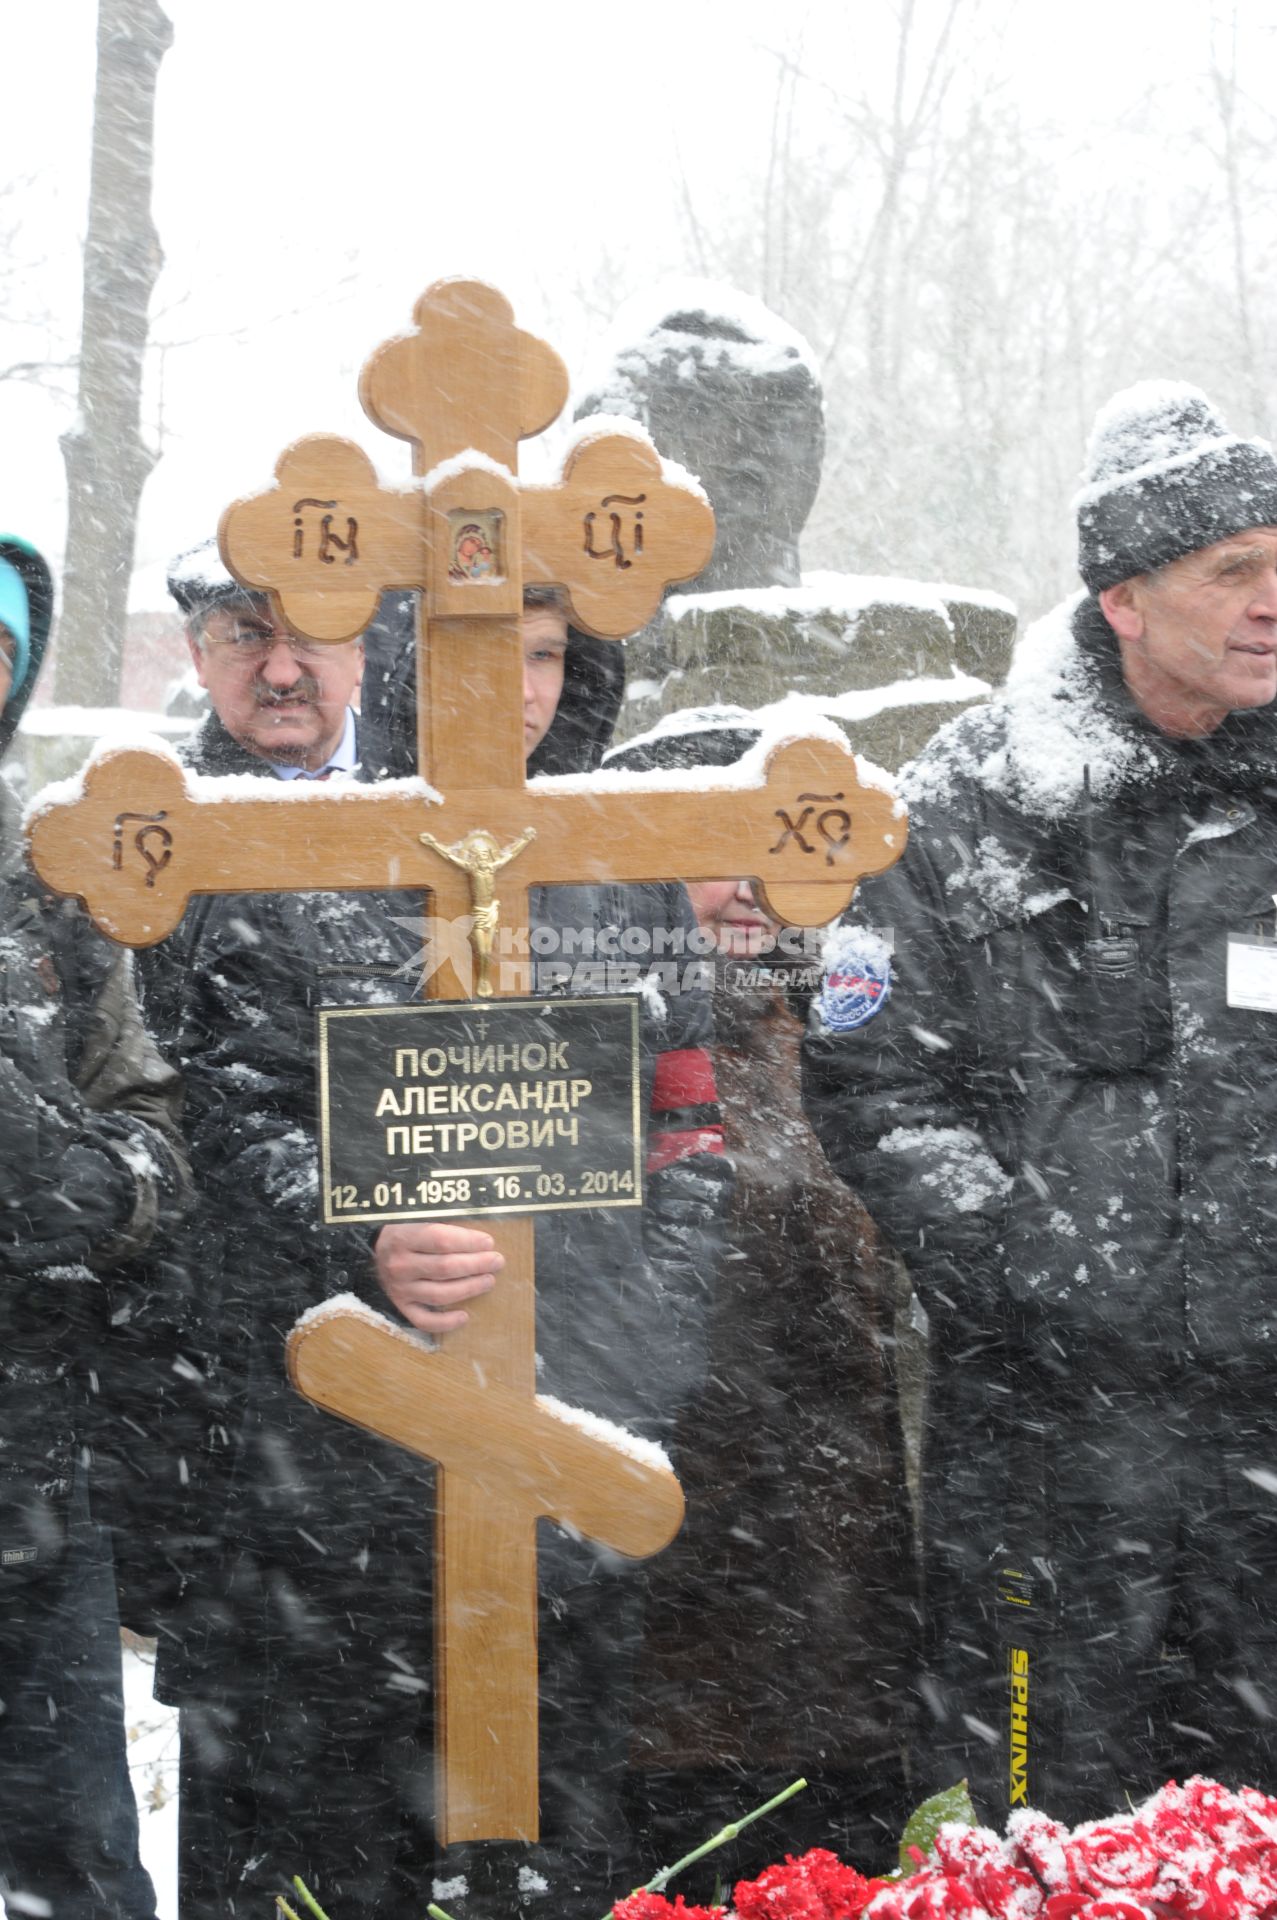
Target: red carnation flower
<point>815,1886</point>
<point>654,1906</point>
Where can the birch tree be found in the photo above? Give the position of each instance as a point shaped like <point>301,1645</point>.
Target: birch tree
<point>107,460</point>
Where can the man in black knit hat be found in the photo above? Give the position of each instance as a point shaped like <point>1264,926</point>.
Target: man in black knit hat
<point>1045,1055</point>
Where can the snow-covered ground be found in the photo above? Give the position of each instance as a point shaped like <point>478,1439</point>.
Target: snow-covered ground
<point>152,1736</point>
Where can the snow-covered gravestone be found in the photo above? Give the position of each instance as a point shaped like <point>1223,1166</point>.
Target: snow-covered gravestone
<point>733,392</point>
<point>465,386</point>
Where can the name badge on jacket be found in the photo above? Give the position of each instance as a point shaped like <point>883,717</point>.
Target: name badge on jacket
<point>1250,979</point>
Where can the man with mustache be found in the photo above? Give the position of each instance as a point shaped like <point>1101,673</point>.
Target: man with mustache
<point>301,1654</point>
<point>282,709</point>
<point>275,698</point>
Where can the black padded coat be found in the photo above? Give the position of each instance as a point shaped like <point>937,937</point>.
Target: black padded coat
<point>1068,1132</point>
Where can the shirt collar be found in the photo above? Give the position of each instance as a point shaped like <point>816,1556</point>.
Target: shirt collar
<point>343,759</point>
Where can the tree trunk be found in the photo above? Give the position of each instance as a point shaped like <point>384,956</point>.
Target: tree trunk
<point>106,460</point>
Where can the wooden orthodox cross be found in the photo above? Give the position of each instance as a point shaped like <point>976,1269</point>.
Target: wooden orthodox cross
<point>465,386</point>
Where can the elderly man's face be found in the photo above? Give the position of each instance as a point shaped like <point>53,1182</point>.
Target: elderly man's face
<point>1199,638</point>
<point>281,698</point>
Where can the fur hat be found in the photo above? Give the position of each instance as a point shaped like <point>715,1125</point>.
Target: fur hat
<point>198,580</point>
<point>1164,476</point>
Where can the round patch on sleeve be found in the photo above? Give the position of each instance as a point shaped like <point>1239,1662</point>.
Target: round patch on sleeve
<point>857,984</point>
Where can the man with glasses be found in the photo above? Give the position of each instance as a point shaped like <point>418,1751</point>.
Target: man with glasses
<point>275,698</point>
<point>302,1659</point>
<point>281,709</point>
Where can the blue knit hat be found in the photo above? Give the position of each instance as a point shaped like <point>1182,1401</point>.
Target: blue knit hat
<point>15,615</point>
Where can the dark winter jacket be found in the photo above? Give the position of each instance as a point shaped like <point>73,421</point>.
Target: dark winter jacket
<point>90,1172</point>
<point>780,1622</point>
<point>1052,1109</point>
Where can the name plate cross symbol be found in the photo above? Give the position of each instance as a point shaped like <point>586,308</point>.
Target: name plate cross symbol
<point>465,386</point>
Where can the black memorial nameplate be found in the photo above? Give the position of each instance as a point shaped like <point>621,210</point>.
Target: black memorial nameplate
<point>452,1107</point>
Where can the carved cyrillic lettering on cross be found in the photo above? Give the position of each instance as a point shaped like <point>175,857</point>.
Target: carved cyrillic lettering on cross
<point>325,541</point>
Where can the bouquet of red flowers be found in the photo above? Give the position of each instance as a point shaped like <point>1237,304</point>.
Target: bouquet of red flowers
<point>1193,1852</point>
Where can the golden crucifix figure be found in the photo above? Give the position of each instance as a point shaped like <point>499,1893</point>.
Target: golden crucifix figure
<point>481,855</point>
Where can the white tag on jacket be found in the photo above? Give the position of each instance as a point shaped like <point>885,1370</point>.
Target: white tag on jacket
<point>1251,977</point>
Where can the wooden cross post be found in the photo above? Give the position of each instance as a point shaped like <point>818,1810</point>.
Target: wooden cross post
<point>465,386</point>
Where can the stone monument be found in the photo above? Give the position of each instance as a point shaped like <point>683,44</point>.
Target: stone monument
<point>726,388</point>
<point>731,391</point>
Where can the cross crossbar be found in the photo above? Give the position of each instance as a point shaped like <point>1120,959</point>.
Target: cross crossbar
<point>143,839</point>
